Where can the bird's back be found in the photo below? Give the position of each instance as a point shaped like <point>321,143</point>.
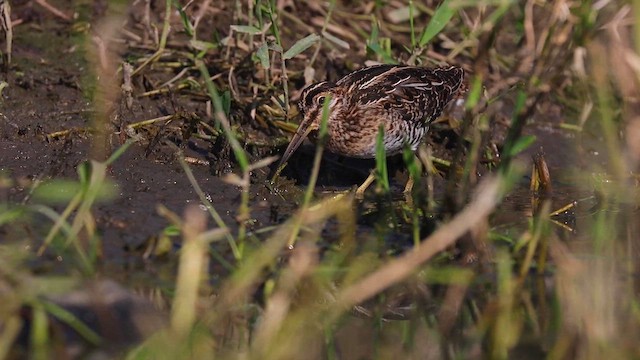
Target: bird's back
<point>407,92</point>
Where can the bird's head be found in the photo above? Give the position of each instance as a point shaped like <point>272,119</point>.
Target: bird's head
<point>311,105</point>
<point>312,102</point>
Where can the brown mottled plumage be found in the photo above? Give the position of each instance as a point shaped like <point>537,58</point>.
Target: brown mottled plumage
<point>405,99</point>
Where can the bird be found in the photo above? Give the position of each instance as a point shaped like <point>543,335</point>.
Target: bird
<point>403,100</point>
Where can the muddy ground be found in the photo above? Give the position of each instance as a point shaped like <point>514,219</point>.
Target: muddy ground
<point>49,92</point>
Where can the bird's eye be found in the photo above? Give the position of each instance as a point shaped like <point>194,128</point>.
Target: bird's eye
<point>320,100</point>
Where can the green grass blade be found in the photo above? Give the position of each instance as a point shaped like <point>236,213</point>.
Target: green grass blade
<point>381,161</point>
<point>60,191</point>
<point>263,55</point>
<point>475,93</point>
<point>246,29</point>
<point>315,170</point>
<point>8,214</point>
<point>39,334</point>
<point>186,24</point>
<point>70,319</point>
<point>322,135</point>
<point>300,46</point>
<point>210,208</point>
<point>410,161</point>
<point>517,121</point>
<point>441,17</point>
<point>238,151</point>
<point>522,144</point>
<point>119,151</point>
<point>411,25</point>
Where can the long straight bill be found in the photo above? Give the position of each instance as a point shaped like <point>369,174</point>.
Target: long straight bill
<point>305,127</point>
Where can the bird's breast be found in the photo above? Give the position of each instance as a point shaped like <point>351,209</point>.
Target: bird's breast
<point>357,137</point>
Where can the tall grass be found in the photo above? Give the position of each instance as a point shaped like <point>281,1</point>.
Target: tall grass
<point>458,291</point>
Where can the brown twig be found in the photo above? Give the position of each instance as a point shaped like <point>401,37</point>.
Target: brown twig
<point>52,9</point>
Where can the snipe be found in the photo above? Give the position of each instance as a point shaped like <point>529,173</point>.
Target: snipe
<point>404,99</point>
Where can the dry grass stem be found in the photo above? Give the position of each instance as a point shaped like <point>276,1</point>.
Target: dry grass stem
<point>7,28</point>
<point>54,10</point>
<point>192,271</point>
<point>487,197</point>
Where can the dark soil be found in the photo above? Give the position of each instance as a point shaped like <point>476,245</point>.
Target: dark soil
<point>49,92</point>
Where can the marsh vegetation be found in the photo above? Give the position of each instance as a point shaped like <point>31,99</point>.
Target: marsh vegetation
<point>138,218</point>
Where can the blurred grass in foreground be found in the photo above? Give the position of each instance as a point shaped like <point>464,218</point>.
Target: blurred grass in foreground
<point>535,294</point>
